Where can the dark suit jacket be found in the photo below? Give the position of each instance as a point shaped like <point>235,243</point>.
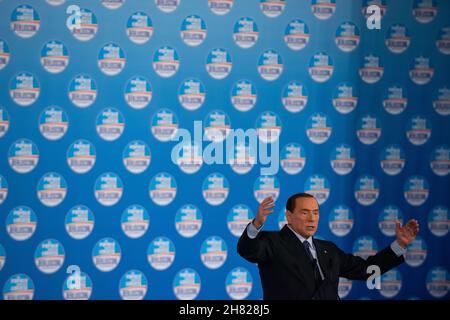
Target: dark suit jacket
<point>287,273</point>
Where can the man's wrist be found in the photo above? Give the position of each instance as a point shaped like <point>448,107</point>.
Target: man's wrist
<point>257,224</point>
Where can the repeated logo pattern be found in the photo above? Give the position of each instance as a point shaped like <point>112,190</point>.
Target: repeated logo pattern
<point>91,99</point>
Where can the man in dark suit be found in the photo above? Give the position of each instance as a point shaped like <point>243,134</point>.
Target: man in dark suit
<point>294,265</point>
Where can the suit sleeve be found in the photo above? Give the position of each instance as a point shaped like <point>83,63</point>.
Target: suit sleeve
<point>355,268</point>
<point>257,250</point>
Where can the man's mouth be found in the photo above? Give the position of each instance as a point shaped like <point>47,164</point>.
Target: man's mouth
<point>310,228</point>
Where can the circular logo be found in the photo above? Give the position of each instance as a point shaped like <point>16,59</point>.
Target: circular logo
<point>344,287</point>
<point>218,63</point>
<point>136,156</point>
<point>239,283</point>
<point>81,156</point>
<point>421,70</point>
<point>243,95</point>
<point>111,59</point>
<point>25,21</point>
<point>2,257</point>
<point>51,189</point>
<point>163,189</point>
<point>416,190</point>
<point>55,2</point>
<point>296,35</point>
<point>424,11</point>
<point>3,189</point>
<point>268,127</point>
<point>53,123</point>
<point>441,101</point>
<point>245,33</point>
<point>318,128</point>
<point>438,282</point>
<point>161,253</point>
<point>21,223</point>
<point>238,218</point>
<point>342,159</point>
<point>5,54</point>
<point>442,42</point>
<point>341,220</point>
<point>193,30</point>
<point>371,71</point>
<point>215,189</point>
<point>189,157</point>
<point>345,99</point>
<point>138,92</point>
<point>4,121</point>
<point>191,94</point>
<point>166,61</point>
<point>318,186</point>
<point>321,67</point>
<point>135,221</point>
<point>82,91</point>
<point>272,8</point>
<point>367,190</point>
<point>23,156</point>
<point>392,159</point>
<point>243,158</point>
<point>388,218</point>
<point>110,124</point>
<point>133,285</point>
<point>323,9</point>
<point>18,287</point>
<point>24,89</point>
<point>213,252</point>
<point>112,4</point>
<point>106,254</point>
<point>266,186</point>
<point>217,126</point>
<point>391,283</point>
<point>88,27</point>
<point>54,56</point>
<point>186,284</point>
<point>79,222</point>
<point>293,158</point>
<point>77,286</point>
<point>395,100</point>
<point>188,220</point>
<point>418,130</point>
<point>416,253</point>
<point>365,247</point>
<point>139,28</point>
<point>282,219</point>
<point>220,7</point>
<point>438,222</point>
<point>108,189</point>
<point>295,97</point>
<point>368,130</point>
<point>347,36</point>
<point>167,6</point>
<point>270,65</point>
<point>397,38</point>
<point>49,256</point>
<point>164,125</point>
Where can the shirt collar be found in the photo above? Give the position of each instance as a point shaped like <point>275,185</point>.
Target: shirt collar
<point>301,238</point>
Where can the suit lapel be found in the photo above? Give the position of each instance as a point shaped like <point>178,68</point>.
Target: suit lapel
<point>300,266</point>
<point>324,259</point>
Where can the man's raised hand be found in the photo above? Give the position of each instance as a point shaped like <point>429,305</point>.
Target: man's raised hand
<point>264,209</point>
<point>407,233</point>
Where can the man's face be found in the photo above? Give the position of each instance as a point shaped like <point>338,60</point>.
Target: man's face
<point>305,217</point>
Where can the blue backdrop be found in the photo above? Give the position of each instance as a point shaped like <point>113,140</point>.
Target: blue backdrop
<point>90,97</point>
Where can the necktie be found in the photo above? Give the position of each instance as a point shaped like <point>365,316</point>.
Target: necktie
<point>317,277</point>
